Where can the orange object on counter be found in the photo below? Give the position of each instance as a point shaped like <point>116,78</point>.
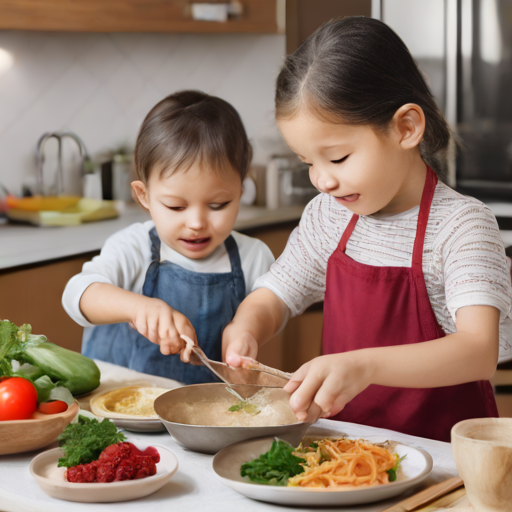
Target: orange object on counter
<point>40,203</point>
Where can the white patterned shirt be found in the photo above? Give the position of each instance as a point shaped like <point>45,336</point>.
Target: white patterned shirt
<point>464,261</point>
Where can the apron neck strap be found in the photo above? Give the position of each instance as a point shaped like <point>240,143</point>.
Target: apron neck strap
<point>155,245</point>
<point>348,231</point>
<point>234,255</point>
<point>421,228</point>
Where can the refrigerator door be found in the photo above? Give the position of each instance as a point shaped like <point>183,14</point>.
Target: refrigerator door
<point>484,108</point>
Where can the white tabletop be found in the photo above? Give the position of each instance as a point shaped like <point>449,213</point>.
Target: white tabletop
<point>195,487</point>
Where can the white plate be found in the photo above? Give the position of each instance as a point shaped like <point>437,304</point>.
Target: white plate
<point>51,479</point>
<point>226,464</point>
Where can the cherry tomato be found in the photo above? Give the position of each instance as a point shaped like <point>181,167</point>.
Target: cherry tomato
<point>52,407</point>
<point>18,399</point>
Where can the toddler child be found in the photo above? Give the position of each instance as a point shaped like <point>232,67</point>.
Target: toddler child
<point>186,270</point>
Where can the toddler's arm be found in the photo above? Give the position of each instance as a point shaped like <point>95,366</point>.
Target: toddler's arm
<point>468,355</point>
<point>258,318</point>
<point>104,303</point>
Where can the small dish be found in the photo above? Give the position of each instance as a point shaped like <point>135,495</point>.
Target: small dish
<point>19,436</point>
<point>140,396</point>
<point>416,466</point>
<point>52,481</point>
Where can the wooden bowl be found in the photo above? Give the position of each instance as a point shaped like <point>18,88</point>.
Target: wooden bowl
<point>482,449</point>
<point>42,429</point>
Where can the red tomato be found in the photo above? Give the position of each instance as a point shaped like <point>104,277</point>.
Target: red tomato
<point>52,407</point>
<point>18,399</point>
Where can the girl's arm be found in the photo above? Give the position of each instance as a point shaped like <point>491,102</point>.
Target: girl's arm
<point>468,355</point>
<point>104,303</point>
<point>258,318</point>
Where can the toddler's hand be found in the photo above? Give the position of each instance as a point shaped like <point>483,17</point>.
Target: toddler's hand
<point>163,325</point>
<point>236,344</point>
<point>328,383</point>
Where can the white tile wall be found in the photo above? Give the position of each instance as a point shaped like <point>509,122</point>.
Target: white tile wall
<point>102,85</point>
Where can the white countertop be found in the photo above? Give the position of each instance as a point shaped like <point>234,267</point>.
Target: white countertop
<point>24,244</point>
<point>195,487</point>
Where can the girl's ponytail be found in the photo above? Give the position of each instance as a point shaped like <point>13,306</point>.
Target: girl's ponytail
<point>357,70</point>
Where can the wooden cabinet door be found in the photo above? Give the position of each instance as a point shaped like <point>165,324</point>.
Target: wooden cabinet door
<point>130,16</point>
<point>33,295</point>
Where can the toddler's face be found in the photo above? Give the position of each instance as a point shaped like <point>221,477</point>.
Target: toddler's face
<point>364,170</point>
<point>195,210</point>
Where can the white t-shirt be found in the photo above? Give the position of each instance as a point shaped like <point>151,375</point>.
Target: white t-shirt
<point>464,261</point>
<point>126,256</point>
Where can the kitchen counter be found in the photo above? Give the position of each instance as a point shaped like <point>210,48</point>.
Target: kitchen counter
<point>24,244</point>
<point>195,487</point>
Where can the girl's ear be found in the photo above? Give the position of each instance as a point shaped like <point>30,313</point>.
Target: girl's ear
<point>141,193</point>
<point>409,121</point>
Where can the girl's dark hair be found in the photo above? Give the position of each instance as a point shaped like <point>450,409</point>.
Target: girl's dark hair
<point>359,71</point>
<point>188,127</point>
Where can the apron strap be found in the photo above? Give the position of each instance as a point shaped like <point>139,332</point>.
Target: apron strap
<point>236,266</point>
<point>348,231</point>
<point>155,245</point>
<point>426,201</point>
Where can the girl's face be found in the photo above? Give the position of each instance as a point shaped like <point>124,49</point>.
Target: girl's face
<point>194,210</point>
<point>365,171</point>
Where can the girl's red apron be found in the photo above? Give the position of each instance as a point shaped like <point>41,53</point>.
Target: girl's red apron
<point>368,306</point>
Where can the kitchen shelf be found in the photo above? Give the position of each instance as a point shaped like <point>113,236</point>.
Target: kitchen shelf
<point>259,16</point>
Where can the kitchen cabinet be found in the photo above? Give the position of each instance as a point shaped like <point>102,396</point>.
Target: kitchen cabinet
<point>303,17</point>
<point>258,16</point>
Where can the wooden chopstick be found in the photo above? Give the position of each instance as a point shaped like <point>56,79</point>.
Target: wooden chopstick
<point>427,495</point>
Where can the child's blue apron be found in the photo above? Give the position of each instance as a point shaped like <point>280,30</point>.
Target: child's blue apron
<point>208,300</point>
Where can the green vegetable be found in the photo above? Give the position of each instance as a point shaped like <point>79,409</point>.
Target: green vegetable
<point>274,467</point>
<point>392,472</point>
<point>47,391</point>
<point>64,367</point>
<point>244,405</point>
<point>83,442</point>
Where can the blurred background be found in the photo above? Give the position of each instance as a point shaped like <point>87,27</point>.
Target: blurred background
<point>77,79</point>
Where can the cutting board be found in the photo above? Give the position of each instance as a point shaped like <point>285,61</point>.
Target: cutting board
<point>85,210</point>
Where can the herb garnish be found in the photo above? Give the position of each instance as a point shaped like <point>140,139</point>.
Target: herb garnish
<point>83,442</point>
<point>392,472</point>
<point>274,467</point>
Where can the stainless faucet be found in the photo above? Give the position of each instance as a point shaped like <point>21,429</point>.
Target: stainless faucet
<point>58,185</point>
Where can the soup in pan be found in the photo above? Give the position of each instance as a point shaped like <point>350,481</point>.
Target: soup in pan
<point>263,408</point>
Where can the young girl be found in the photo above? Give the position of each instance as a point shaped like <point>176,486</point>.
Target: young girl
<point>186,271</point>
<point>413,275</point>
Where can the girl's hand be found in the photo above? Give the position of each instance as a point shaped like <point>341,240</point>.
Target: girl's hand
<point>237,344</point>
<point>163,325</point>
<point>327,383</point>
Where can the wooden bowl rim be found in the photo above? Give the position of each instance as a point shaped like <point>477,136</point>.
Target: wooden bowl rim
<point>71,411</point>
<point>484,422</point>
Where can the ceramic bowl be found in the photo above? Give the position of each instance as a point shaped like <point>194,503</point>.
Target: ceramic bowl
<point>482,449</point>
<point>211,439</point>
<point>42,429</point>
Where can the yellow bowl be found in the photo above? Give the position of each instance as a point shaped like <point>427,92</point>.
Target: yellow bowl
<point>482,449</point>
<point>26,435</point>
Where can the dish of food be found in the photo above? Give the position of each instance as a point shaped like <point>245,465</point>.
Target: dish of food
<point>51,479</point>
<point>192,415</point>
<point>321,472</point>
<point>130,407</point>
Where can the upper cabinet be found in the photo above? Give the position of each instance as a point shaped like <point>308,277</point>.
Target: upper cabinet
<point>256,16</point>
<point>303,17</point>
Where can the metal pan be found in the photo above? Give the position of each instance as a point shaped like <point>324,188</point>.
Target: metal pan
<point>211,439</point>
